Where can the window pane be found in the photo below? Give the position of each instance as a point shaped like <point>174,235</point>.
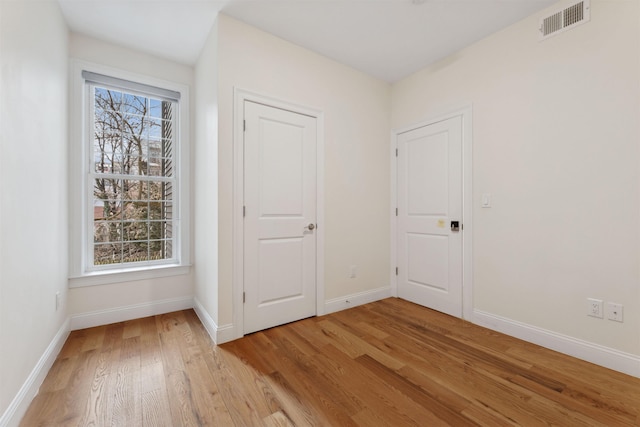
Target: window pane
<point>168,248</point>
<point>135,251</point>
<point>134,104</point>
<point>106,210</point>
<point>133,231</point>
<point>160,210</point>
<point>157,249</point>
<point>132,124</point>
<point>104,161</point>
<point>132,216</point>
<point>110,253</point>
<point>135,210</point>
<point>154,127</point>
<point>107,231</point>
<point>155,108</point>
<point>107,99</point>
<point>106,197</point>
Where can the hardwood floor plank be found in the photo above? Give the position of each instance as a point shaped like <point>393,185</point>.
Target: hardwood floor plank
<point>132,328</point>
<point>132,397</point>
<point>390,404</point>
<point>249,351</point>
<point>93,338</point>
<point>471,382</point>
<point>44,409</point>
<point>602,383</point>
<point>370,417</point>
<point>95,409</point>
<point>324,407</point>
<point>388,363</point>
<point>372,331</point>
<point>113,336</point>
<point>73,345</point>
<point>318,409</point>
<point>287,400</point>
<point>150,346</point>
<point>340,404</point>
<point>613,413</point>
<point>296,410</point>
<point>245,405</point>
<point>278,419</point>
<point>329,376</point>
<point>72,405</point>
<point>155,403</point>
<point>206,396</point>
<point>61,372</point>
<point>178,382</point>
<point>486,416</point>
<point>446,414</point>
<point>436,391</point>
<point>359,345</point>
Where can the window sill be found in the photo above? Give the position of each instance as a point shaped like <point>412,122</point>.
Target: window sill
<point>129,275</point>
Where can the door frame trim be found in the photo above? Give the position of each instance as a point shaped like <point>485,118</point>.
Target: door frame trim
<point>466,112</point>
<point>239,98</point>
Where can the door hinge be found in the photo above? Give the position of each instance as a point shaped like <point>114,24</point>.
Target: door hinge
<point>244,211</point>
<point>396,152</point>
<point>396,211</point>
<point>396,271</point>
<point>244,297</point>
<point>244,125</point>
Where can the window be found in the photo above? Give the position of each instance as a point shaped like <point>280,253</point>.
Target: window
<point>132,177</point>
<point>131,188</point>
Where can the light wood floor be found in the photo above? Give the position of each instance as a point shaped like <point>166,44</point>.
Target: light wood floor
<point>386,363</point>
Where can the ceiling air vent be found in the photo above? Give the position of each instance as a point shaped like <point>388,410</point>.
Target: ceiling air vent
<point>565,19</point>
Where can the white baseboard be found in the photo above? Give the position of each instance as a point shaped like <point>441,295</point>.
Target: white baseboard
<point>600,355</point>
<point>129,312</point>
<point>205,319</point>
<point>29,389</point>
<point>354,300</point>
<point>219,334</point>
<point>226,333</point>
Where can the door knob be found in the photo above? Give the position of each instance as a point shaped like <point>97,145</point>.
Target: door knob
<point>455,225</point>
<point>311,226</point>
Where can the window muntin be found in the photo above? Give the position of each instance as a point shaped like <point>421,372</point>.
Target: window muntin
<point>131,178</point>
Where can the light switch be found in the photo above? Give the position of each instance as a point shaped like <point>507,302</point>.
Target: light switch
<point>486,200</point>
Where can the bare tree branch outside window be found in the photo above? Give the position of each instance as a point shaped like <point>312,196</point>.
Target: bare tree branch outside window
<point>133,185</point>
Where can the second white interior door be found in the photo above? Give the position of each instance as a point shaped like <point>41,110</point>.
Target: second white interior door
<point>280,216</point>
<point>429,247</point>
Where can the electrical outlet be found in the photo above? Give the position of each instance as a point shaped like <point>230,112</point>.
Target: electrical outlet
<point>614,311</point>
<point>353,271</point>
<point>57,300</point>
<point>594,308</point>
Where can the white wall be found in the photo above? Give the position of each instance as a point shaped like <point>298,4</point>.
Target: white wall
<point>356,187</point>
<point>95,302</point>
<point>33,187</point>
<point>206,177</point>
<point>555,141</point>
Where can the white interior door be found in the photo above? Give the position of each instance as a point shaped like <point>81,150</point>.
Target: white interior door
<point>280,216</point>
<point>429,204</point>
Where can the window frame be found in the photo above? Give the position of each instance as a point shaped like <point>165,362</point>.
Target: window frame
<point>82,272</point>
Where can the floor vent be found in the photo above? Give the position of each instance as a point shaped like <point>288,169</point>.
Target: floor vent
<point>565,19</point>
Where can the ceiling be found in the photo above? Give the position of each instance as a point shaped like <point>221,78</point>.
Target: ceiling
<point>388,39</point>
